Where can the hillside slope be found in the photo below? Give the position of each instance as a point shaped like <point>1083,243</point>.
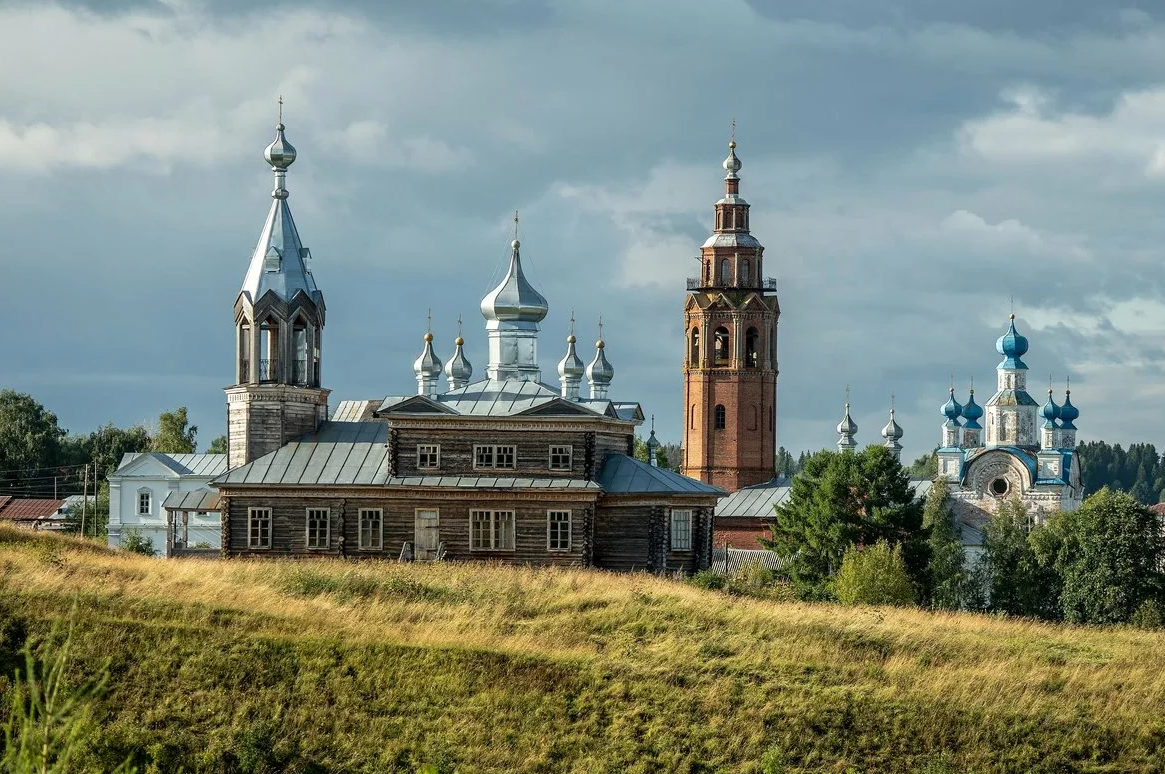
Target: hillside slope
<point>358,667</point>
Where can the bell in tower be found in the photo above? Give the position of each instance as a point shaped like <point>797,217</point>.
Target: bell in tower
<point>730,368</point>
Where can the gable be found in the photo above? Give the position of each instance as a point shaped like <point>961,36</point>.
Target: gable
<point>146,465</point>
<point>557,407</point>
<point>418,404</point>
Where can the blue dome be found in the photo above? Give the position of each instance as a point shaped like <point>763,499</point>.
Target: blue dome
<point>1050,412</point>
<point>972,412</point>
<point>1068,412</point>
<point>951,409</point>
<point>1012,346</point>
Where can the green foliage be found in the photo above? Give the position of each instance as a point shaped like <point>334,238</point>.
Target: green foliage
<point>925,466</point>
<point>1139,470</point>
<point>108,444</point>
<point>843,499</point>
<point>30,439</point>
<point>707,579</point>
<point>1148,616</point>
<point>640,454</point>
<point>1013,577</point>
<point>133,541</point>
<point>175,435</point>
<point>218,446</point>
<point>873,575</point>
<point>946,574</point>
<point>1107,555</point>
<point>48,718</point>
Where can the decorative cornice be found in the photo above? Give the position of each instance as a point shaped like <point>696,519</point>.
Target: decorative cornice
<point>279,393</point>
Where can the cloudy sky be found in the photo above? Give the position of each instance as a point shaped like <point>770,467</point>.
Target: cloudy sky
<point>912,166</point>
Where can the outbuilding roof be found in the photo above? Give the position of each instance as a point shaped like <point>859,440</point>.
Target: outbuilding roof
<point>626,475</point>
<point>30,509</point>
<point>202,501</point>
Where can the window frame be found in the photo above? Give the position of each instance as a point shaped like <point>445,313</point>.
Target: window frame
<point>378,545</point>
<point>719,417</point>
<point>148,494</point>
<point>491,538</point>
<point>307,529</point>
<point>433,449</point>
<point>494,454</point>
<point>551,544</point>
<point>256,513</point>
<point>686,543</point>
<point>569,454</point>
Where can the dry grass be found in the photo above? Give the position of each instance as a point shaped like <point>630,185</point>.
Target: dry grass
<point>379,667</point>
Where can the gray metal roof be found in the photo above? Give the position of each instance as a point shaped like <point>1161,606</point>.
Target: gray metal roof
<point>754,502</point>
<point>736,239</point>
<point>626,475</point>
<point>508,398</point>
<point>354,410</point>
<point>180,464</point>
<point>202,500</point>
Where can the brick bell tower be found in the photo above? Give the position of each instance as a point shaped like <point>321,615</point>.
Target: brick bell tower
<point>730,367</point>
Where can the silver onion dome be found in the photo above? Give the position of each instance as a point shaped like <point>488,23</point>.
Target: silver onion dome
<point>892,431</point>
<point>428,364</point>
<point>280,154</point>
<point>459,370</point>
<point>515,299</point>
<point>571,365</point>
<point>847,426</point>
<point>600,371</point>
<point>732,163</point>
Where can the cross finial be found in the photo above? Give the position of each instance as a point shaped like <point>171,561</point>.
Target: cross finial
<point>1068,384</point>
<point>972,385</point>
<point>732,138</point>
<point>1013,306</point>
<point>891,402</point>
<point>847,395</point>
<point>952,382</point>
<point>429,321</point>
<point>515,224</point>
<point>280,108</point>
<point>572,322</point>
<point>458,326</point>
<point>600,326</point>
<point>653,424</point>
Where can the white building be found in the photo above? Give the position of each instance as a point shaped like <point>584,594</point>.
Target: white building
<point>167,499</point>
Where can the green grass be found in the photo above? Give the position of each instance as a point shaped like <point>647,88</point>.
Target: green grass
<point>376,667</point>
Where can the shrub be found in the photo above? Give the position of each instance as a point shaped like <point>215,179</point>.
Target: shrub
<point>707,579</point>
<point>1148,615</point>
<point>875,575</point>
<point>135,542</point>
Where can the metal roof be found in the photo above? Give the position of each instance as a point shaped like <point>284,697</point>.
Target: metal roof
<point>202,500</point>
<point>626,475</point>
<point>209,465</point>
<point>508,398</point>
<point>754,502</point>
<point>736,239</point>
<point>354,410</point>
<point>31,509</point>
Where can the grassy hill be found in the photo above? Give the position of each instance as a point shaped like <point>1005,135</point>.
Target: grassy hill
<point>357,667</point>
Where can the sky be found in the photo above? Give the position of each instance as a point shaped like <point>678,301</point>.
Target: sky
<point>915,169</point>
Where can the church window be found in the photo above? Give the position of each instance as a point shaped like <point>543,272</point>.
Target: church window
<point>494,456</point>
<point>268,350</point>
<point>720,417</point>
<point>999,487</point>
<point>681,530</point>
<point>371,528</point>
<point>491,530</point>
<point>725,272</point>
<point>428,456</point>
<point>751,350</point>
<point>745,271</point>
<point>695,355</point>
<point>692,416</point>
<point>318,528</point>
<point>258,528</point>
<point>721,342</point>
<point>145,502</point>
<point>752,418</point>
<point>558,530</point>
<point>560,457</point>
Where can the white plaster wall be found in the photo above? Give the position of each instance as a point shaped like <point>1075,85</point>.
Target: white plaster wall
<point>123,507</point>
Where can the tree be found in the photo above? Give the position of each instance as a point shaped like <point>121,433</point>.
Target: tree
<point>1139,470</point>
<point>1016,582</point>
<point>641,453</point>
<point>873,575</point>
<point>925,466</point>
<point>840,500</point>
<point>30,440</point>
<point>946,574</point>
<point>218,446</point>
<point>174,436</point>
<point>108,444</point>
<point>1108,556</point>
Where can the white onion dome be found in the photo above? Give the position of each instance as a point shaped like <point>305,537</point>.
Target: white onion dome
<point>847,426</point>
<point>428,364</point>
<point>892,431</point>
<point>571,365</point>
<point>731,164</point>
<point>515,299</point>
<point>600,371</point>
<point>458,368</point>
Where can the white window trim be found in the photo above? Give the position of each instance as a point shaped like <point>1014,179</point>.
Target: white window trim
<point>360,529</point>
<point>569,457</point>
<point>672,529</point>
<point>493,529</point>
<point>493,455</point>
<point>251,516</point>
<point>149,493</point>
<point>327,529</point>
<point>569,530</point>
<point>436,446</point>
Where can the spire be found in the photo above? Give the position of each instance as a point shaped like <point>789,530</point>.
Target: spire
<point>653,446</point>
<point>570,368</point>
<point>600,372</point>
<point>847,429</point>
<point>892,433</point>
<point>458,371</point>
<point>427,367</point>
<point>512,312</point>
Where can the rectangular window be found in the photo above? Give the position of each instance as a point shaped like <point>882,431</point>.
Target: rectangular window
<point>681,530</point>
<point>371,528</point>
<point>259,528</point>
<point>428,456</point>
<point>491,530</point>
<point>318,528</point>
<point>558,530</point>
<point>144,503</point>
<point>560,457</point>
<point>494,456</point>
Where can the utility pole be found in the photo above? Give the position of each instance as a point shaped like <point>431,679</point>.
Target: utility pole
<point>84,499</point>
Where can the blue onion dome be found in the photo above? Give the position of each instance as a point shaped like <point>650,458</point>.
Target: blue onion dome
<point>1012,346</point>
<point>1050,412</point>
<point>515,299</point>
<point>280,154</point>
<point>600,371</point>
<point>892,431</point>
<point>428,364</point>
<point>847,426</point>
<point>951,409</point>
<point>972,412</point>
<point>459,368</point>
<point>1068,413</point>
<point>570,365</point>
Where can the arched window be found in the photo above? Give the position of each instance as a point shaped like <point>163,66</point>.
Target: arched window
<point>745,269</point>
<point>725,272</point>
<point>269,350</point>
<point>721,351</point>
<point>751,353</point>
<point>244,375</point>
<point>692,416</point>
<point>720,417</point>
<point>752,418</point>
<point>299,352</point>
<point>695,357</point>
